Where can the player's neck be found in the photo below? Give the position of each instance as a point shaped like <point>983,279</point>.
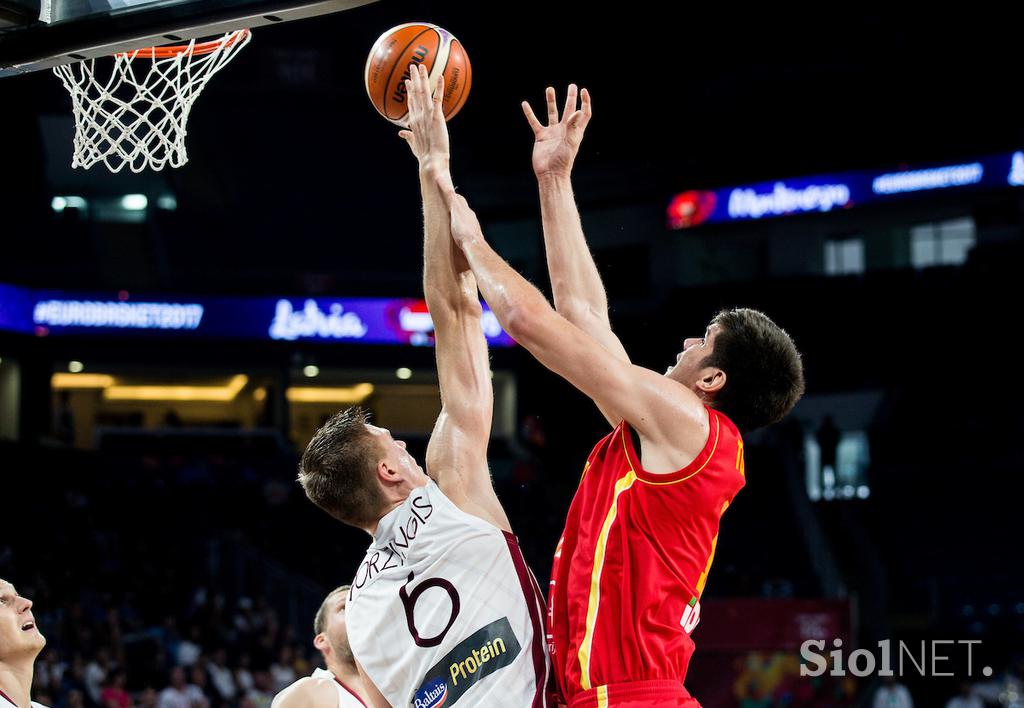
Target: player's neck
<point>396,496</point>
<point>16,682</point>
<point>348,674</point>
<point>372,528</point>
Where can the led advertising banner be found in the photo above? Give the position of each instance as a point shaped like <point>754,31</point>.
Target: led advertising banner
<point>344,320</point>
<point>844,190</point>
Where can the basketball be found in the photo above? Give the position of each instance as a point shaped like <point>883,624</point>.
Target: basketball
<point>387,68</point>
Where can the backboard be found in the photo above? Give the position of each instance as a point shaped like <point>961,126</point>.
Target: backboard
<point>67,31</point>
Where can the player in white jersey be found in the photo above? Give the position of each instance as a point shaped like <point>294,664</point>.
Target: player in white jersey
<point>20,644</point>
<point>443,609</point>
<point>339,685</point>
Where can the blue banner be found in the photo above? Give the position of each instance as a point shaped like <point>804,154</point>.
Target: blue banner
<point>400,321</point>
<point>843,190</point>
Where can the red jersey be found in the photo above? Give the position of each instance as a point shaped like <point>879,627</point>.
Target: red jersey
<point>633,560</point>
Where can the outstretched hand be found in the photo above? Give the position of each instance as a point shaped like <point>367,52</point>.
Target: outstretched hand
<point>556,144</point>
<point>427,135</point>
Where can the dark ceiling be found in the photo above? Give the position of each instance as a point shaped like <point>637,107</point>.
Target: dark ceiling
<point>295,183</point>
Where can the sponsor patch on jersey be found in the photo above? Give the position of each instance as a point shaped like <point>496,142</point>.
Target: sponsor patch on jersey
<point>485,651</point>
<point>432,694</point>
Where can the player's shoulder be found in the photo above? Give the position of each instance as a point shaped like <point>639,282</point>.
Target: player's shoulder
<point>713,445</point>
<point>431,502</point>
<point>671,441</point>
<point>681,422</point>
<point>308,691</point>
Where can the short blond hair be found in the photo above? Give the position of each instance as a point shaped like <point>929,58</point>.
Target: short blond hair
<point>320,621</point>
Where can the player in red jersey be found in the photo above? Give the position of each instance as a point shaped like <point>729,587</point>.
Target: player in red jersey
<point>641,531</point>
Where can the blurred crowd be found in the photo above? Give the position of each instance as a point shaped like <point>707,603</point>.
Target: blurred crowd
<point>220,652</point>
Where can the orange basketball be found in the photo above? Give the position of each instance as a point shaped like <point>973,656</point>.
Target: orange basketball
<point>387,68</point>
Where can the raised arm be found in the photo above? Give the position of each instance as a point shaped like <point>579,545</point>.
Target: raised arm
<point>457,451</point>
<point>664,411</point>
<point>576,284</point>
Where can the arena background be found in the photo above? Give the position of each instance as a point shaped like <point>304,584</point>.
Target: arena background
<point>156,533</point>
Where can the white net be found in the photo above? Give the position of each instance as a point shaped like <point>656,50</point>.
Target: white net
<point>137,115</point>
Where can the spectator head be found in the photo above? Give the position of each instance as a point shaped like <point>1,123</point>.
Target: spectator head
<point>178,678</point>
<point>263,681</point>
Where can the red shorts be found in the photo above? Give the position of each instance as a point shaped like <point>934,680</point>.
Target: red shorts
<point>636,694</point>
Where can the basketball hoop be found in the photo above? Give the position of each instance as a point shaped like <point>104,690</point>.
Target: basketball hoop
<point>137,115</point>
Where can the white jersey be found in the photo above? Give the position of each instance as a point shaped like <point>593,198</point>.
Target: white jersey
<point>5,701</point>
<point>443,609</point>
<point>346,696</point>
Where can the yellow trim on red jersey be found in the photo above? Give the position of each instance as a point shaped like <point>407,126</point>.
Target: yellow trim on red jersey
<point>718,433</point>
<point>621,486</point>
<point>586,468</point>
<point>602,697</point>
<point>702,581</point>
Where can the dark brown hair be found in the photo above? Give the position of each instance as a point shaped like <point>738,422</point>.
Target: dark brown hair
<point>764,375</point>
<point>337,469</point>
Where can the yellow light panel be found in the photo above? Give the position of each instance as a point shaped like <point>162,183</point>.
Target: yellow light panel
<point>221,394</point>
<point>341,394</point>
<point>65,381</point>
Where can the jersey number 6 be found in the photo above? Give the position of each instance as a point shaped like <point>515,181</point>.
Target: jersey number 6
<point>409,603</point>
